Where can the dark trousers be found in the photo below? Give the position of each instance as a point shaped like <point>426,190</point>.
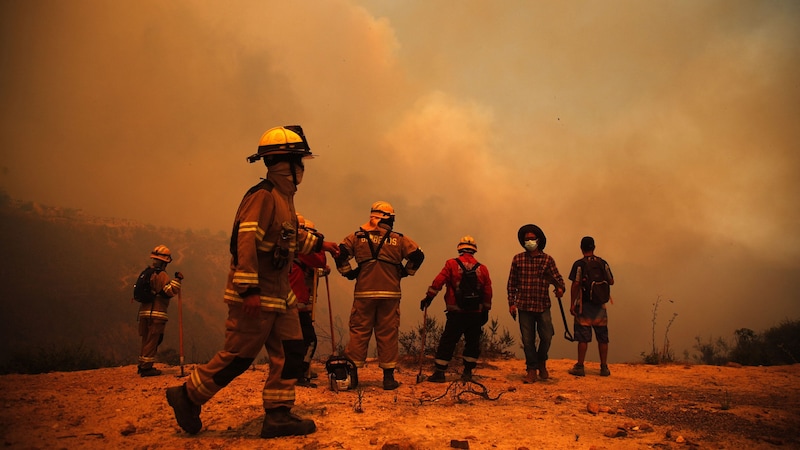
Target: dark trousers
<point>458,324</point>
<point>309,339</point>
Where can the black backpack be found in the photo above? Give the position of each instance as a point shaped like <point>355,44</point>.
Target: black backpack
<point>595,281</point>
<point>142,291</point>
<point>468,293</point>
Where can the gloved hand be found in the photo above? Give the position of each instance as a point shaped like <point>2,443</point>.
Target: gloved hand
<point>179,275</point>
<point>484,317</point>
<point>352,275</point>
<point>425,302</point>
<point>513,311</point>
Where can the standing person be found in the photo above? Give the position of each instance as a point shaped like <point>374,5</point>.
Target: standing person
<point>304,283</point>
<point>532,273</point>
<point>264,240</point>
<point>588,305</point>
<point>154,295</point>
<point>379,252</point>
<point>468,300</point>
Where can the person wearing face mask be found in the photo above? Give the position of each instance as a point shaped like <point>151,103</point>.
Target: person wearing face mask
<point>383,257</point>
<point>532,272</point>
<point>261,311</point>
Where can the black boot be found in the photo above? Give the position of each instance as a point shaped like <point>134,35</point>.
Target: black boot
<point>149,372</point>
<point>389,382</point>
<point>186,412</point>
<point>280,422</point>
<point>438,376</point>
<point>467,375</point>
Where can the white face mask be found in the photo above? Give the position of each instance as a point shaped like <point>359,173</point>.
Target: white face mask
<point>531,245</point>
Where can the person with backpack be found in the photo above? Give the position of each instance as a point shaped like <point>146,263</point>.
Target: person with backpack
<point>590,292</point>
<point>264,240</point>
<point>153,290</point>
<point>383,257</point>
<point>304,278</point>
<point>532,272</point>
<point>468,300</point>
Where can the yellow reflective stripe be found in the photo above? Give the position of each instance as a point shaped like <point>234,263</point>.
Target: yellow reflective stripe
<point>377,294</point>
<point>278,395</point>
<point>252,227</point>
<point>245,277</point>
<point>201,388</point>
<point>146,359</point>
<point>273,303</point>
<point>308,245</point>
<point>265,246</point>
<point>154,315</point>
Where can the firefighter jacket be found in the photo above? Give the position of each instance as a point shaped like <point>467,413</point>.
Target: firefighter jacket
<point>301,278</point>
<point>450,276</point>
<point>165,289</point>
<point>380,255</point>
<point>264,240</point>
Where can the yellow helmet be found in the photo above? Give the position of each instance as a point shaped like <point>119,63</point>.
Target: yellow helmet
<point>161,252</point>
<point>381,210</point>
<point>301,221</point>
<point>467,244</point>
<point>286,140</point>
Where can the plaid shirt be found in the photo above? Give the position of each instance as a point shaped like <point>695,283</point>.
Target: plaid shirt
<point>528,280</point>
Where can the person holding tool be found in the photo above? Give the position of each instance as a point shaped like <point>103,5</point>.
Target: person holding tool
<point>468,300</point>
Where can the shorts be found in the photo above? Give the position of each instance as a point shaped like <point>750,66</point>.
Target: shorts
<point>592,317</point>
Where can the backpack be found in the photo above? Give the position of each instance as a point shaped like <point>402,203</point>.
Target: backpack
<point>142,291</point>
<point>595,282</point>
<point>468,293</point>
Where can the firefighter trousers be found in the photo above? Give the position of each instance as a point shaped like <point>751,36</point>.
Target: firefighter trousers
<point>381,316</point>
<point>278,333</point>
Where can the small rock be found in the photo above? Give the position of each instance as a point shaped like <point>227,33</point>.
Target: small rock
<point>593,408</point>
<point>128,430</point>
<point>616,433</point>
<point>373,441</point>
<point>457,443</point>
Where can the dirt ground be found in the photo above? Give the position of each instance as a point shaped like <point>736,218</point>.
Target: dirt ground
<point>639,406</point>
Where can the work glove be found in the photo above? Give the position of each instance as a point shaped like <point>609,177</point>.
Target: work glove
<point>513,311</point>
<point>179,275</point>
<point>484,317</point>
<point>425,302</point>
<point>353,274</point>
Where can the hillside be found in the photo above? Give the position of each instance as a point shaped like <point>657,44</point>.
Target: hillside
<point>67,281</point>
<point>639,406</point>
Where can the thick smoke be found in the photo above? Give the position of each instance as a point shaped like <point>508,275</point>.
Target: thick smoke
<point>666,131</point>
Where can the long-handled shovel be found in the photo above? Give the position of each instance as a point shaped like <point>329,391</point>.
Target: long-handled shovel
<point>180,329</point>
<point>567,334</point>
<point>420,376</point>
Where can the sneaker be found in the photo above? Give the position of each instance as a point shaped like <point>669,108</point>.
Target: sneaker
<point>437,377</point>
<point>149,372</point>
<point>186,412</point>
<point>604,372</point>
<point>280,422</point>
<point>577,370</point>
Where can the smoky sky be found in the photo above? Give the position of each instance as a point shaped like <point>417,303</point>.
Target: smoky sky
<point>666,130</point>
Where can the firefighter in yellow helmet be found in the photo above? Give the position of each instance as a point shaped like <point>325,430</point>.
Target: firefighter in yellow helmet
<point>467,300</point>
<point>261,311</point>
<point>383,257</point>
<point>153,290</point>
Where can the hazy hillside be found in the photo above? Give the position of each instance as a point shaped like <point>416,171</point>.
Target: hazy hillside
<point>67,281</point>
